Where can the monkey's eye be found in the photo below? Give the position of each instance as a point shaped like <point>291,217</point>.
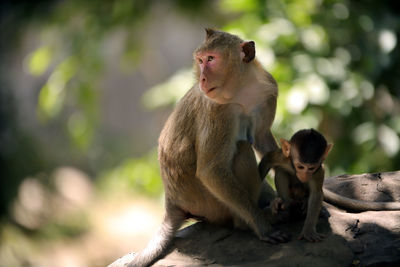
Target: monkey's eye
<point>200,61</point>
<point>311,169</point>
<point>300,167</point>
<point>210,58</point>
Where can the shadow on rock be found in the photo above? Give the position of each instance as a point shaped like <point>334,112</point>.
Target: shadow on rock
<point>203,244</point>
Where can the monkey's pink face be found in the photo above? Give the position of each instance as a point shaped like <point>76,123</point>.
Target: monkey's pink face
<point>212,74</point>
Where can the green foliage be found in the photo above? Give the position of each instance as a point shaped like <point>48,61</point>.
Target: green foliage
<point>71,226</point>
<point>332,61</point>
<point>336,63</point>
<point>39,61</point>
<point>140,174</point>
<point>170,91</point>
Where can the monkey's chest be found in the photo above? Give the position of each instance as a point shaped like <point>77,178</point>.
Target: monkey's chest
<point>246,129</point>
<point>299,191</point>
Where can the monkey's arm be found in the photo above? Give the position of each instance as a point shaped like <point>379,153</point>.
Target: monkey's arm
<point>283,171</point>
<point>309,231</point>
<point>266,163</point>
<point>264,140</point>
<point>215,152</point>
<point>281,205</point>
<point>282,183</point>
<point>218,178</point>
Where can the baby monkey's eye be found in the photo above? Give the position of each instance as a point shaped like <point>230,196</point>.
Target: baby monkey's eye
<point>300,167</point>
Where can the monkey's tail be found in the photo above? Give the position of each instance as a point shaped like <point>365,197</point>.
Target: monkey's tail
<point>160,241</point>
<point>358,205</point>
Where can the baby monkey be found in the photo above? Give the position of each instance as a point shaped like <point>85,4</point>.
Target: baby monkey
<point>299,186</point>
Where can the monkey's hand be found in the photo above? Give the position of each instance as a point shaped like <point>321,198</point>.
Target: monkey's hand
<point>278,205</point>
<point>266,232</point>
<point>311,235</point>
<point>275,237</point>
<point>280,210</point>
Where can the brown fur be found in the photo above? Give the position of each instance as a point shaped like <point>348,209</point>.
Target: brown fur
<point>298,199</point>
<point>207,163</point>
<point>294,197</point>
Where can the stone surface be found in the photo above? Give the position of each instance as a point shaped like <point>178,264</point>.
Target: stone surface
<point>206,245</point>
<point>369,238</point>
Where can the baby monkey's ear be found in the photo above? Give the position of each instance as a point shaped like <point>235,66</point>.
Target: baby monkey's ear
<point>327,150</point>
<point>285,145</point>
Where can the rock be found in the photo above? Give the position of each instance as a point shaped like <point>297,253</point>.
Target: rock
<point>206,245</point>
<point>383,186</point>
<point>370,238</point>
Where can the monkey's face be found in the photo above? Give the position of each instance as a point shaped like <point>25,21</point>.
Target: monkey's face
<point>304,171</point>
<point>213,74</point>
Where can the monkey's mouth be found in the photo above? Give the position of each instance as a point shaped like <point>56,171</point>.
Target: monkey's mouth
<point>211,89</point>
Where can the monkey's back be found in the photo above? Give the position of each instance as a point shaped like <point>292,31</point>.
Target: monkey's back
<point>177,155</point>
<point>177,139</point>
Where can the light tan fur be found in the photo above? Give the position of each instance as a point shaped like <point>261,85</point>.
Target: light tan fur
<point>207,162</point>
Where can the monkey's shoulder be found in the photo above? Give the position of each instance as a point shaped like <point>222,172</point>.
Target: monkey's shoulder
<point>278,160</point>
<point>178,134</point>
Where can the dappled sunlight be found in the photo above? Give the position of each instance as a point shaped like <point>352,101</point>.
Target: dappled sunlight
<point>314,38</point>
<point>88,85</point>
<point>318,91</point>
<point>270,32</point>
<point>387,40</point>
<point>364,132</point>
<point>340,11</point>
<point>30,206</point>
<point>38,61</point>
<point>389,140</point>
<point>297,100</point>
<point>80,226</point>
<point>169,92</point>
<point>303,63</point>
<point>74,185</point>
<point>266,57</point>
<point>128,219</point>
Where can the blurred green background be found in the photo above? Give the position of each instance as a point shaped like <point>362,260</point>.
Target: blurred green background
<point>85,87</point>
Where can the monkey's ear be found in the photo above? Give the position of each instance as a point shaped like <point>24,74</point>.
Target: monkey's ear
<point>248,51</point>
<point>285,145</point>
<point>209,32</point>
<point>327,150</point>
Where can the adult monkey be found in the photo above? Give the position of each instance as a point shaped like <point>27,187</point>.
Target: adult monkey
<point>206,155</point>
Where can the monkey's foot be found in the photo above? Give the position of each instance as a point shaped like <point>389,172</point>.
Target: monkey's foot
<point>276,237</point>
<point>311,236</point>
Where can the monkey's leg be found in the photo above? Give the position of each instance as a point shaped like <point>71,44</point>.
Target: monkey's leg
<point>173,220</point>
<point>219,179</point>
<point>246,170</point>
<point>267,195</point>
